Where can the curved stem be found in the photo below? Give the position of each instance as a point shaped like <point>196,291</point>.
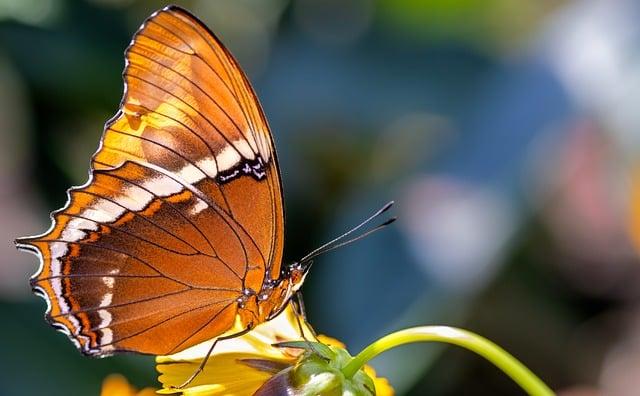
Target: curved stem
<point>451,335</point>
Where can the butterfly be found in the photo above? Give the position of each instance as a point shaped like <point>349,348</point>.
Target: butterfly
<point>177,236</point>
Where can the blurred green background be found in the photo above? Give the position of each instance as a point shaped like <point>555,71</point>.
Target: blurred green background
<point>506,132</point>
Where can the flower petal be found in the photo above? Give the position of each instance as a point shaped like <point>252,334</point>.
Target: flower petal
<point>383,387</point>
<point>117,385</point>
<point>225,373</point>
<point>233,369</point>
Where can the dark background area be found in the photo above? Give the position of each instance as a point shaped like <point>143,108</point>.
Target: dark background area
<point>505,131</point>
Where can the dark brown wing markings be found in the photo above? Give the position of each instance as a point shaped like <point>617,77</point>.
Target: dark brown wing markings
<point>227,209</point>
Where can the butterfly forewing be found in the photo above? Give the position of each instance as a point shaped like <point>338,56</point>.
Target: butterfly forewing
<point>183,208</point>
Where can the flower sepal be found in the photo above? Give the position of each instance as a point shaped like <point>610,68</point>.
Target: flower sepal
<point>321,349</point>
<point>318,372</point>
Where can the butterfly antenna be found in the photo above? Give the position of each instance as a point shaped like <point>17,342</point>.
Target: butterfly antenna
<point>330,245</point>
<point>359,237</point>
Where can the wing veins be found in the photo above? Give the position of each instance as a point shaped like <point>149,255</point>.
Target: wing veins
<point>71,276</point>
<point>197,193</point>
<point>187,104</point>
<point>213,205</point>
<point>228,61</point>
<point>117,251</point>
<point>144,218</point>
<point>146,315</point>
<point>197,252</point>
<point>93,309</point>
<point>221,212</point>
<point>273,228</point>
<point>194,53</point>
<point>193,83</point>
<point>172,206</point>
<point>168,117</point>
<point>192,131</point>
<point>164,321</point>
<point>199,329</point>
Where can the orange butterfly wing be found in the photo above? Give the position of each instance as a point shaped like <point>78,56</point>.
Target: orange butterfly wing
<point>183,208</point>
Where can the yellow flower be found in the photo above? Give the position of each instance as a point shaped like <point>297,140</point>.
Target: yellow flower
<point>240,366</point>
<point>117,385</point>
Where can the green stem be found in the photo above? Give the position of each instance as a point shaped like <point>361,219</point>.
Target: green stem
<point>473,342</point>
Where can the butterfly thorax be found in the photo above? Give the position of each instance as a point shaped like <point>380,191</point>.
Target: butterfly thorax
<point>260,306</point>
<point>255,307</point>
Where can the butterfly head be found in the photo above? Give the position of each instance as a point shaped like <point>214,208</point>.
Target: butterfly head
<point>295,273</point>
<point>287,285</point>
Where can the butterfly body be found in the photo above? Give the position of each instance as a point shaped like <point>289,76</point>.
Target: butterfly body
<point>177,236</point>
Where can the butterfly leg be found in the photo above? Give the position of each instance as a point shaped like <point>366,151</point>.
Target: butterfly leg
<point>301,313</point>
<point>298,306</point>
<point>206,358</point>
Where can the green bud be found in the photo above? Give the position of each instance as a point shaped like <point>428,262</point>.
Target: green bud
<point>315,374</point>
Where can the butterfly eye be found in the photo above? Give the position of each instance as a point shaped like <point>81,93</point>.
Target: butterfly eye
<point>297,275</point>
